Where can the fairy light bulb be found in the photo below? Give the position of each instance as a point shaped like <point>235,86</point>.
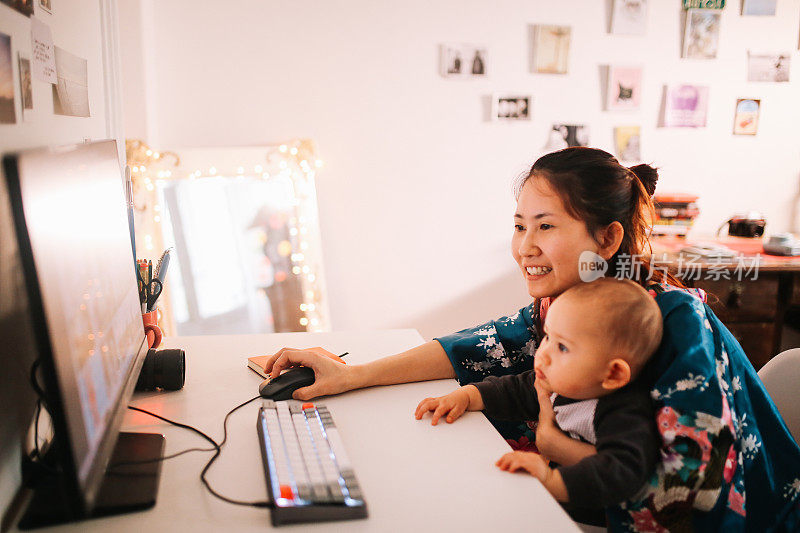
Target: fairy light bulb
<point>304,321</point>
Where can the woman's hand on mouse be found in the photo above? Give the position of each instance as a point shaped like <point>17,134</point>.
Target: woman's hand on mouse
<point>330,375</point>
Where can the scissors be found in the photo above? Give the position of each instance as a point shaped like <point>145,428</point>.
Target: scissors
<point>150,293</point>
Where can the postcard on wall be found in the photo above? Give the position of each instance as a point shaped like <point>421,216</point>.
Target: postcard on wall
<point>685,106</point>
<point>8,107</point>
<point>629,17</point>
<point>624,88</point>
<point>701,39</point>
<point>511,107</point>
<point>25,86</point>
<point>703,4</point>
<point>551,49</point>
<point>745,121</point>
<point>627,140</point>
<point>43,63</point>
<point>23,6</point>
<point>71,93</point>
<point>764,8</point>
<point>463,61</point>
<point>566,135</point>
<point>768,67</point>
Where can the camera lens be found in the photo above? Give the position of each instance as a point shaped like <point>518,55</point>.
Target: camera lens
<point>163,369</point>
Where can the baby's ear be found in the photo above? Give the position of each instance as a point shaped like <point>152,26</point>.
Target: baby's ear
<point>618,374</point>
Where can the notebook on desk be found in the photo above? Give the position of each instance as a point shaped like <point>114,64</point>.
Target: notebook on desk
<point>257,363</point>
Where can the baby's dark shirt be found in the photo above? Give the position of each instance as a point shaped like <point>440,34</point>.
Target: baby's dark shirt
<point>627,440</point>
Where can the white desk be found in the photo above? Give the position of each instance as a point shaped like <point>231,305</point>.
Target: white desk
<point>415,477</point>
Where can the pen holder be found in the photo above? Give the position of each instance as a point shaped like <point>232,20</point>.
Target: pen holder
<point>151,329</point>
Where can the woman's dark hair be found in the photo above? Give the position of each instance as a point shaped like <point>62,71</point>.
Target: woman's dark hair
<point>598,190</point>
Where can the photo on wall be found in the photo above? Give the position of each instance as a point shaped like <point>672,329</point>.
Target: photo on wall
<point>463,61</point>
<point>551,49</point>
<point>701,38</point>
<point>685,106</point>
<point>8,114</point>
<point>768,67</point>
<point>566,135</point>
<point>26,89</point>
<point>624,88</point>
<point>763,8</point>
<point>745,121</point>
<point>627,141</point>
<point>511,107</point>
<point>629,17</point>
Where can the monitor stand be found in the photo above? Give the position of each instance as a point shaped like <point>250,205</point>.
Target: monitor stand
<point>125,488</point>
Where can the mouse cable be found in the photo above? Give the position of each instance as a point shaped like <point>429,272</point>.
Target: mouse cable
<point>217,449</point>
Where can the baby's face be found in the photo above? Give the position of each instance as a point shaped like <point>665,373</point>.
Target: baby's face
<point>573,357</point>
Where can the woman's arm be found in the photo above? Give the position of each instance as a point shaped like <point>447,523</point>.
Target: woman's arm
<point>424,362</point>
<point>421,363</point>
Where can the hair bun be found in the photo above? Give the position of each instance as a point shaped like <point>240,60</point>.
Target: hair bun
<point>647,175</point>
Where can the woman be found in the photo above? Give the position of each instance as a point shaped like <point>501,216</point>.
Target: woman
<point>722,437</point>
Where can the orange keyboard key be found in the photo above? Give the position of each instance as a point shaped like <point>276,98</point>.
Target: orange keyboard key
<point>308,405</point>
<point>286,492</point>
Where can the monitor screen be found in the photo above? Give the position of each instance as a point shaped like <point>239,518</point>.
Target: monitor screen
<point>71,219</point>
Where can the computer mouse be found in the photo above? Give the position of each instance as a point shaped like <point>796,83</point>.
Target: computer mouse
<point>282,387</point>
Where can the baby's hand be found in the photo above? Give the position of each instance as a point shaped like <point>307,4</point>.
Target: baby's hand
<point>453,405</point>
<point>530,461</point>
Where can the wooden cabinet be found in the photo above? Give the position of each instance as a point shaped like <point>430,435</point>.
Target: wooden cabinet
<point>752,309</point>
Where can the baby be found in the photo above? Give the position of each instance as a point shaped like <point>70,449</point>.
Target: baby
<point>597,338</point>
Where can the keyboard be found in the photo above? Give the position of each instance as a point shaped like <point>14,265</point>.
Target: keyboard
<point>309,476</point>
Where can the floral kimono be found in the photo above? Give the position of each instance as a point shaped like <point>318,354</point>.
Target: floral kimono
<point>727,458</point>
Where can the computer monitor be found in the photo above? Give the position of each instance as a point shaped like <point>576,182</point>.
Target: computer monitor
<point>69,211</point>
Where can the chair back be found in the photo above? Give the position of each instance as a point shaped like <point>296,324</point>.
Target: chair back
<point>781,378</point>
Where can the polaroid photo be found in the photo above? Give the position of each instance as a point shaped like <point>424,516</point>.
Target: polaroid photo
<point>8,105</point>
<point>627,141</point>
<point>463,61</point>
<point>567,135</point>
<point>507,107</point>
<point>624,88</point>
<point>629,17</point>
<point>551,49</point>
<point>685,106</point>
<point>763,8</point>
<point>701,38</point>
<point>768,67</point>
<point>745,121</point>
<point>25,85</point>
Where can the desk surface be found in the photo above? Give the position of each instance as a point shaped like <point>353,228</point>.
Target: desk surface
<point>747,250</point>
<point>415,476</point>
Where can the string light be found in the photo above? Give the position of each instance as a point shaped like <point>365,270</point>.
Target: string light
<point>293,161</point>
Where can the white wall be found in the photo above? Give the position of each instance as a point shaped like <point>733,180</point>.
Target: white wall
<point>415,196</point>
<point>86,28</point>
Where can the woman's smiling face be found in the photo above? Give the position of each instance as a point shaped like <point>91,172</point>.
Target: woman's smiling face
<point>548,241</point>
